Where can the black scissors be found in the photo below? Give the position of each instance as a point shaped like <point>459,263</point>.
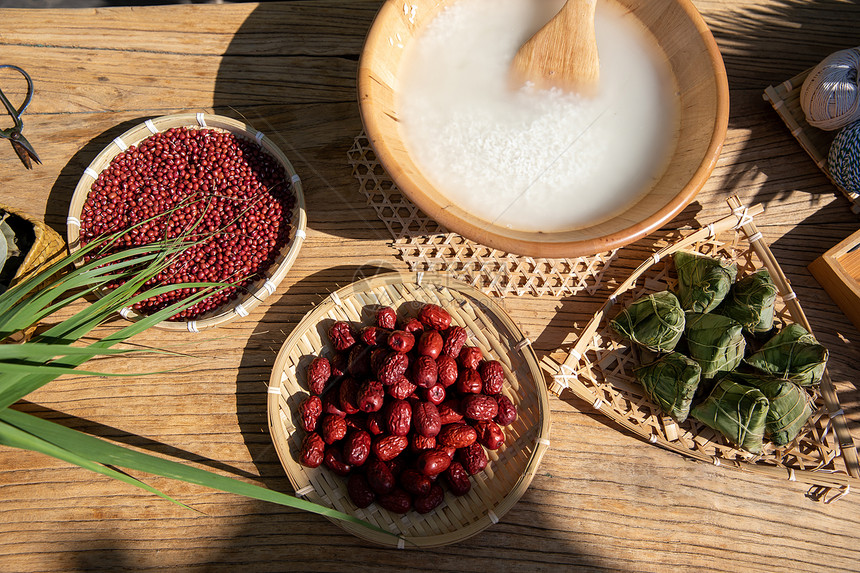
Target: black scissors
<point>19,143</point>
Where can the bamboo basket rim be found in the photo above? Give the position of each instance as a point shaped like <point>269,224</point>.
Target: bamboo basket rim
<point>408,285</point>
<point>563,374</point>
<point>260,289</point>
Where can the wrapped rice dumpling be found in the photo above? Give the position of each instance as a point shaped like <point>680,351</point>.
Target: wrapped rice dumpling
<point>792,354</point>
<point>671,383</point>
<point>790,405</point>
<point>703,282</point>
<point>737,411</point>
<point>750,302</point>
<point>715,341</point>
<point>655,321</point>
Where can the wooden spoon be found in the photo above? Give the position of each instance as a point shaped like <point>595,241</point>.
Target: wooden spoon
<point>563,53</point>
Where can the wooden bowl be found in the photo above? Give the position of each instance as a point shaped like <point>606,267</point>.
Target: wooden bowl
<point>255,292</point>
<point>700,75</point>
<point>510,469</point>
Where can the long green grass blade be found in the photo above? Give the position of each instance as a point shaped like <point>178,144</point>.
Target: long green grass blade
<point>15,437</point>
<point>111,454</point>
<point>28,306</point>
<point>34,351</point>
<point>16,383</point>
<point>44,370</point>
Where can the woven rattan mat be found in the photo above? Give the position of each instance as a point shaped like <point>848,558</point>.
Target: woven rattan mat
<point>427,246</point>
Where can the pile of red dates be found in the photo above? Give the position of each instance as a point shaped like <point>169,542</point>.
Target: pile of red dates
<point>402,408</point>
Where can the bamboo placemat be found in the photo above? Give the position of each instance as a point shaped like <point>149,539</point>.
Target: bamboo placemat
<point>785,99</point>
<point>427,246</point>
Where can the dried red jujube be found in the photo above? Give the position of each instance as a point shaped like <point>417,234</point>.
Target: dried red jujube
<point>319,371</point>
<point>386,318</point>
<point>493,376</point>
<point>309,413</point>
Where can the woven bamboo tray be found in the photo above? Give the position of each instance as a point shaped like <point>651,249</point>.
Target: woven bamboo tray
<point>511,467</point>
<point>599,370</point>
<point>260,289</point>
<point>785,99</point>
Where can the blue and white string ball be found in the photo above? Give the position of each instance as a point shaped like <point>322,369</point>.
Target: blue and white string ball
<point>843,161</point>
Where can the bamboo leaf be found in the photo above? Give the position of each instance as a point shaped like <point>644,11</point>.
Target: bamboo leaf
<point>15,437</point>
<point>34,351</point>
<point>106,453</point>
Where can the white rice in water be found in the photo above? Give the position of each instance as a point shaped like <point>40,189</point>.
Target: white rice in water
<point>534,160</point>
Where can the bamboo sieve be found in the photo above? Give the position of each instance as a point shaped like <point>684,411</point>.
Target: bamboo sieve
<point>511,467</point>
<point>255,292</point>
<point>599,370</point>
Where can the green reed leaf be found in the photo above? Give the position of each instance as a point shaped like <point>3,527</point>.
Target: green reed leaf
<point>102,452</point>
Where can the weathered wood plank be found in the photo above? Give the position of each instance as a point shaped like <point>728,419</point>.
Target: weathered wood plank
<point>602,500</point>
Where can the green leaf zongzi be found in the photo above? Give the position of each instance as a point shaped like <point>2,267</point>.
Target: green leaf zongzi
<point>655,321</point>
<point>737,411</point>
<point>792,354</point>
<point>790,405</point>
<point>671,383</point>
<point>750,302</point>
<point>703,282</point>
<point>716,342</point>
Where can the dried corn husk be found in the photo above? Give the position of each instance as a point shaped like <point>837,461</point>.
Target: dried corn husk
<point>703,282</point>
<point>655,321</point>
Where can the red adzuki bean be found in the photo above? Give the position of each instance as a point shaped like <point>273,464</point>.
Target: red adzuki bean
<point>221,192</point>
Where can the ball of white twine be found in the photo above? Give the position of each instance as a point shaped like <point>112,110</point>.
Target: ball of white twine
<point>830,96</point>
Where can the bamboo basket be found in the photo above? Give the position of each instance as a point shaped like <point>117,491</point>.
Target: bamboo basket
<point>48,247</point>
<point>511,467</point>
<point>785,99</point>
<point>255,292</point>
<point>599,370</point>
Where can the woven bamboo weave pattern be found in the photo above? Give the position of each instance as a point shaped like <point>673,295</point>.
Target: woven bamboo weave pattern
<point>600,370</point>
<point>427,246</point>
<point>511,467</point>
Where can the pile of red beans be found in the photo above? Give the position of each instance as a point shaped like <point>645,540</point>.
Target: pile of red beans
<point>227,199</point>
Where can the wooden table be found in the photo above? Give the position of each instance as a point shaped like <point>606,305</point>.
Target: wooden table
<point>601,499</point>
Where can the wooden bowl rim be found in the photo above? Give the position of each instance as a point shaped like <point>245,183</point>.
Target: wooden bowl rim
<point>259,290</point>
<point>536,243</point>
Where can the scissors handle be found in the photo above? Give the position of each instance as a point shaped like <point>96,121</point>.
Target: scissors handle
<point>16,113</point>
<point>22,147</point>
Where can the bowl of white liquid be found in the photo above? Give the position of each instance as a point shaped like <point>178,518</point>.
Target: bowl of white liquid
<point>534,172</point>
